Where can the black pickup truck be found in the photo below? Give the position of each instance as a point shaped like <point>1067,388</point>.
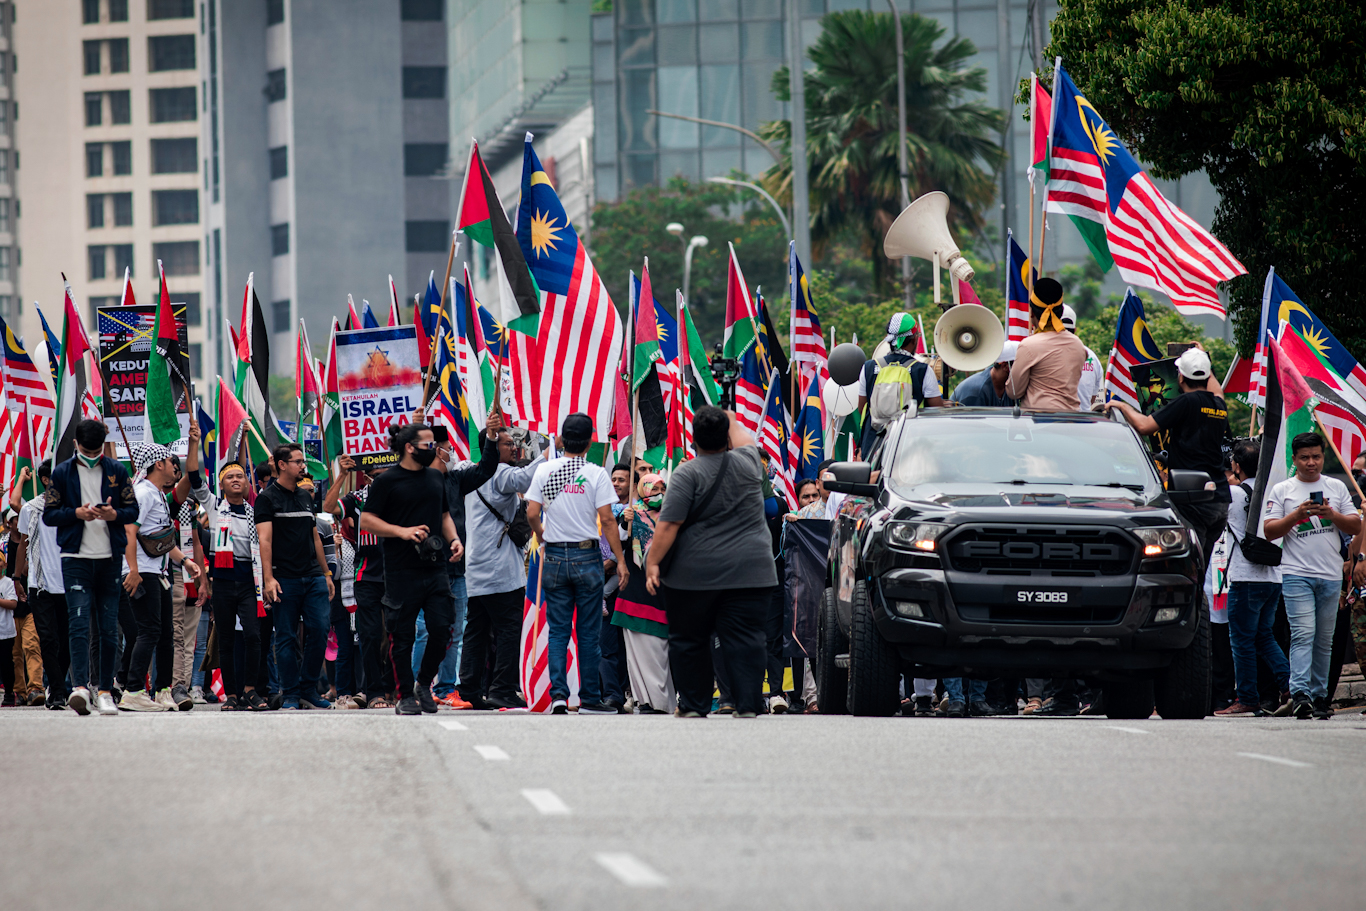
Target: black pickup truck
<point>996,542</point>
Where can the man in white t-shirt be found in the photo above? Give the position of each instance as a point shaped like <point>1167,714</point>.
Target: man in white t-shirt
<point>1254,590</point>
<point>569,500</point>
<point>1308,511</point>
<point>1092,371</point>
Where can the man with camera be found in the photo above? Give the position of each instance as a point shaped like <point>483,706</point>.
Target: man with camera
<point>1309,510</point>
<point>408,509</point>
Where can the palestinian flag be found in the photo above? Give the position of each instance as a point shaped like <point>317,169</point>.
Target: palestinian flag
<point>167,372</point>
<point>308,388</point>
<point>352,318</point>
<point>740,313</point>
<point>482,218</point>
<point>1289,412</point>
<point>332,427</point>
<point>72,385</point>
<point>253,371</point>
<point>394,317</point>
<point>232,424</point>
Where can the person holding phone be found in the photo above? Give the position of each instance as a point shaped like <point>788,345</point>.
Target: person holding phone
<point>1309,511</point>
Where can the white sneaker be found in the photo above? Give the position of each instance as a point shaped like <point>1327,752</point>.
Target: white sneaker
<point>104,704</point>
<point>79,700</point>
<point>139,701</point>
<point>559,707</point>
<point>197,694</point>
<point>164,698</point>
<point>777,705</point>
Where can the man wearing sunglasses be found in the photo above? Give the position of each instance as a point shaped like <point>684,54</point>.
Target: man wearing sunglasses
<point>295,578</point>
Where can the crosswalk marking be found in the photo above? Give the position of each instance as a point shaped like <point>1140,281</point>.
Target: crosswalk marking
<point>1293,763</point>
<point>546,801</point>
<point>491,752</point>
<point>631,870</point>
<point>452,725</point>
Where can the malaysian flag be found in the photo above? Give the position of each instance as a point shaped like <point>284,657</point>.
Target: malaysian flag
<point>775,438</point>
<point>1339,406</point>
<point>1018,282</point>
<point>1123,217</point>
<point>535,652</point>
<point>1281,305</point>
<point>806,341</point>
<point>25,392</point>
<point>1133,345</point>
<point>580,334</point>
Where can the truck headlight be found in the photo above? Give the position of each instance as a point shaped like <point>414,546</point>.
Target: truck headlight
<point>1163,541</point>
<point>921,536</point>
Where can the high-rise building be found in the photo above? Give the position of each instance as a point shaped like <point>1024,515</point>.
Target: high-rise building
<point>116,186</point>
<point>11,304</point>
<point>326,122</point>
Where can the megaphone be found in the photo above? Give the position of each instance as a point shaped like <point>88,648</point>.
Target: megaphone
<point>922,230</point>
<point>969,337</point>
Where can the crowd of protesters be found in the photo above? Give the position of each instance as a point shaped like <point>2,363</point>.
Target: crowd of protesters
<point>402,587</point>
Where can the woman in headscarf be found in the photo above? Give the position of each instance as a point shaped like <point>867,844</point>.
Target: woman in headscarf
<point>641,614</point>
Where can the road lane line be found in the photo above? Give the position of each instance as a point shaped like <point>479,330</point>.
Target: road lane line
<point>1116,727</point>
<point>546,801</point>
<point>1293,763</point>
<point>491,752</point>
<point>631,870</point>
<point>452,725</point>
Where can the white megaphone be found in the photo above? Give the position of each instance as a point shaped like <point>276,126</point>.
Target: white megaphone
<point>922,230</point>
<point>969,337</point>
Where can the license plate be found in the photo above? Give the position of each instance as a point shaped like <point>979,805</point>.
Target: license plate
<point>1044,597</point>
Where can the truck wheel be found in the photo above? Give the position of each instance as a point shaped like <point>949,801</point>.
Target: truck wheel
<point>1128,699</point>
<point>1183,689</point>
<point>832,681</point>
<point>873,672</point>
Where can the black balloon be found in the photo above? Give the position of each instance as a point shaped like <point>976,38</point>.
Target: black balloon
<point>846,361</point>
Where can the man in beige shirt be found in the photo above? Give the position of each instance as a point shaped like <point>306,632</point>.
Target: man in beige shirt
<point>1048,364</point>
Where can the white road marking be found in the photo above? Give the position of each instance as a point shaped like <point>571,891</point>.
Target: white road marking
<point>1293,763</point>
<point>631,870</point>
<point>1116,727</point>
<point>452,725</point>
<point>546,801</point>
<point>491,752</point>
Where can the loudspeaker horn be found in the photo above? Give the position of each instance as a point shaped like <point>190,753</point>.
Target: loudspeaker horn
<point>922,230</point>
<point>969,337</point>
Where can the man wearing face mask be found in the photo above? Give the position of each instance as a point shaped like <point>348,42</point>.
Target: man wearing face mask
<point>459,482</point>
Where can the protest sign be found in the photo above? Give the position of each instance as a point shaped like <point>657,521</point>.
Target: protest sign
<point>380,380</point>
<point>126,337</point>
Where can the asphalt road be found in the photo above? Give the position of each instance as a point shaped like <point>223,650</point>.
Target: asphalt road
<point>340,810</point>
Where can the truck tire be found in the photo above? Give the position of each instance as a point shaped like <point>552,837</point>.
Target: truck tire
<point>832,681</point>
<point>1128,699</point>
<point>1182,690</point>
<point>874,676</point>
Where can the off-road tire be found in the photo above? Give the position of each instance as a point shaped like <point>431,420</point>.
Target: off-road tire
<point>1183,689</point>
<point>832,681</point>
<point>1128,699</point>
<point>874,673</point>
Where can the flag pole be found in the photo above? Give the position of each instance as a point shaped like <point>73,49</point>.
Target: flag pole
<point>1033,125</point>
<point>1043,217</point>
<point>631,319</point>
<point>1347,465</point>
<point>445,290</point>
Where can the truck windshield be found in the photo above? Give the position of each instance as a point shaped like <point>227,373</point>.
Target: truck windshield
<point>992,450</point>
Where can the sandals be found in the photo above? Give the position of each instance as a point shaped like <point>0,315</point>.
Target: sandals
<point>1035,703</point>
<point>380,703</point>
<point>255,702</point>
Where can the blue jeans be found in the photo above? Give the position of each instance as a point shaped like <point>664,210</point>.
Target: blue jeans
<point>92,587</point>
<point>306,599</point>
<point>448,677</point>
<point>572,582</point>
<point>1311,604</point>
<point>1251,615</point>
<point>201,642</point>
<point>977,689</point>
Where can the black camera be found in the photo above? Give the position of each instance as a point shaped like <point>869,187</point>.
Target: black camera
<point>431,549</point>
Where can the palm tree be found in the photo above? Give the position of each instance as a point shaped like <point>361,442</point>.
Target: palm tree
<point>851,133</point>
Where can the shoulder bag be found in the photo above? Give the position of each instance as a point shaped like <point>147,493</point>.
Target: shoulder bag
<point>695,513</point>
<point>1255,549</point>
<point>517,529</point>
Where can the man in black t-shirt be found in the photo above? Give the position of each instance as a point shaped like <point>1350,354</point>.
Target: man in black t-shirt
<point>377,670</point>
<point>1195,422</point>
<point>295,578</point>
<point>407,507</point>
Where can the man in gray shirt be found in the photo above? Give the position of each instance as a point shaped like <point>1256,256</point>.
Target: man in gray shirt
<point>722,577</point>
<point>495,580</point>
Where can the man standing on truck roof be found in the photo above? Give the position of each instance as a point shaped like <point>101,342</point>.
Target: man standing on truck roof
<point>1048,364</point>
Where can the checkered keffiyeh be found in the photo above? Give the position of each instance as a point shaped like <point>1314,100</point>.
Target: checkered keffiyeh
<point>145,455</point>
<point>559,478</point>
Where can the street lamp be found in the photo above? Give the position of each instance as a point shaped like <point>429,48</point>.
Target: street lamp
<point>697,240</point>
<point>782,216</point>
<point>901,138</point>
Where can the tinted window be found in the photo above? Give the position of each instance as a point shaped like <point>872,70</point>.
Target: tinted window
<point>118,55</point>
<point>423,159</point>
<point>123,157</point>
<point>279,162</point>
<point>280,316</point>
<point>91,54</point>
<point>275,12</point>
<point>123,209</point>
<point>421,10</point>
<point>123,259</point>
<point>275,85</point>
<point>94,107</point>
<point>169,105</point>
<point>279,239</point>
<point>170,52</point>
<point>192,312</point>
<point>120,107</point>
<point>180,258</point>
<point>424,82</point>
<point>118,10</point>
<point>175,156</point>
<point>94,159</point>
<point>96,258</point>
<point>427,236</point>
<point>94,210</point>
<point>175,207</point>
<point>170,9</point>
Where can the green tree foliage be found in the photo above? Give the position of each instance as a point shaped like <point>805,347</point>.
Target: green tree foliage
<point>851,130</point>
<point>626,231</point>
<point>1267,98</point>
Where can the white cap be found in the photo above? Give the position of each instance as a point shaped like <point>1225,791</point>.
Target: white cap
<point>1069,317</point>
<point>1008,352</point>
<point>1193,364</point>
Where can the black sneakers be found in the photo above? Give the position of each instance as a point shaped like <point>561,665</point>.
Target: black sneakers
<point>597,708</point>
<point>954,708</point>
<point>1323,709</point>
<point>426,699</point>
<point>409,706</point>
<point>1301,706</point>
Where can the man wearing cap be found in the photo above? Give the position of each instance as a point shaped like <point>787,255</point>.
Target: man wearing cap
<point>1092,371</point>
<point>1047,368</point>
<point>569,502</point>
<point>902,333</point>
<point>988,388</point>
<point>1195,423</point>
